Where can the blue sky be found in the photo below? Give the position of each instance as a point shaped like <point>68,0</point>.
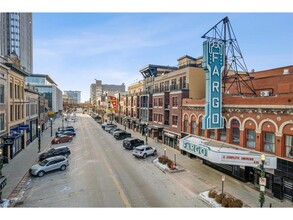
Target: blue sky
<point>77,48</point>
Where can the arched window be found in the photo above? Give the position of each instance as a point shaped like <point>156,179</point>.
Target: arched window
<point>269,139</point>
<point>193,124</point>
<point>250,135</point>
<point>287,131</point>
<point>200,127</point>
<point>186,123</point>
<point>235,131</point>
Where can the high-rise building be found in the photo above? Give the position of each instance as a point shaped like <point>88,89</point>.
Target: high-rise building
<point>16,38</point>
<point>74,95</point>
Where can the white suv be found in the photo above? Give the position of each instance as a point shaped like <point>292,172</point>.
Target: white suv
<point>49,164</point>
<point>144,151</point>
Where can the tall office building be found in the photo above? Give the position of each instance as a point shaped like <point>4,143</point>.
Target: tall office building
<point>74,95</point>
<point>16,38</point>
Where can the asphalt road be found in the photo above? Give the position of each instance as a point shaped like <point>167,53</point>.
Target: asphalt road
<point>103,174</point>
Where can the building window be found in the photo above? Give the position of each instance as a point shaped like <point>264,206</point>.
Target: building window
<point>289,146</point>
<point>160,102</point>
<point>175,101</point>
<point>186,125</point>
<point>11,112</point>
<point>155,102</point>
<point>2,94</point>
<point>212,133</point>
<point>2,122</point>
<point>250,138</point>
<point>11,90</point>
<point>193,127</point>
<point>223,133</point>
<point>174,120</point>
<point>269,142</point>
<point>235,131</point>
<point>201,129</point>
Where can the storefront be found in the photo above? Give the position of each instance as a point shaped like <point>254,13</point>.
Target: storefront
<point>170,139</point>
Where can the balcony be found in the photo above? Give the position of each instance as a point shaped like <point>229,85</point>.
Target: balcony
<point>176,87</point>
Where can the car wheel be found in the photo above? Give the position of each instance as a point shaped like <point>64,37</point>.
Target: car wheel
<point>144,156</point>
<point>155,153</point>
<point>41,173</point>
<point>63,167</point>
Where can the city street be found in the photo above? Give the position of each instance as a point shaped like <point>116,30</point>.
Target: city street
<point>102,174</point>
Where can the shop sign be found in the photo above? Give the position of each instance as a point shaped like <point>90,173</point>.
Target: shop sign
<point>23,127</point>
<point>213,64</point>
<point>195,149</point>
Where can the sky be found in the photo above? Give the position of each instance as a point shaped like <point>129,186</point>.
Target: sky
<point>111,41</point>
<point>77,48</point>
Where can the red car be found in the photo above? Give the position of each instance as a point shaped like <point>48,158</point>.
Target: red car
<point>62,139</point>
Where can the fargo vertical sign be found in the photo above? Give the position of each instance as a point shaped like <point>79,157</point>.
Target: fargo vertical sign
<point>213,64</point>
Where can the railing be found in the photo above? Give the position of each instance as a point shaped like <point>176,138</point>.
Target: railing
<point>179,86</point>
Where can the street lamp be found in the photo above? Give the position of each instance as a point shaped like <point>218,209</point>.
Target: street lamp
<point>262,181</point>
<point>39,146</point>
<point>51,121</point>
<point>165,152</point>
<point>223,180</point>
<point>125,124</point>
<point>146,133</point>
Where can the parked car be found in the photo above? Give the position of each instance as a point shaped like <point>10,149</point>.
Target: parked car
<point>144,151</point>
<point>62,150</point>
<point>49,164</point>
<point>69,133</point>
<point>114,130</point>
<point>130,143</point>
<point>120,135</point>
<point>108,128</point>
<point>106,124</point>
<point>62,139</point>
<point>65,128</point>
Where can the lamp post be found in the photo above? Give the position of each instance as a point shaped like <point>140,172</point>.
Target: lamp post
<point>125,124</point>
<point>62,122</point>
<point>51,122</point>
<point>2,178</point>
<point>262,181</point>
<point>39,146</point>
<point>165,152</point>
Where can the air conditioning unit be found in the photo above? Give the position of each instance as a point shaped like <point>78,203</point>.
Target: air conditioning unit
<point>264,93</point>
<point>286,71</point>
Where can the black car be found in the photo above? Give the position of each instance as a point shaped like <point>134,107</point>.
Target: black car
<point>70,133</point>
<point>66,128</point>
<point>130,143</point>
<point>120,135</point>
<point>64,151</point>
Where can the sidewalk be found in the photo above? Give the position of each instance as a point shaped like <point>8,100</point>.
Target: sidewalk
<point>199,177</point>
<point>16,170</point>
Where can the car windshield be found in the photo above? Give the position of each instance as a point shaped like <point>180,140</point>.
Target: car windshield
<point>43,163</point>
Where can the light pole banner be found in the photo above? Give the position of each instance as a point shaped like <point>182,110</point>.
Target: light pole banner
<point>213,64</point>
<point>112,103</point>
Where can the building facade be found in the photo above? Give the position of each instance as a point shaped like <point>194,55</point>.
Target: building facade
<point>74,95</point>
<point>49,90</point>
<point>16,38</point>
<point>261,124</point>
<point>32,116</point>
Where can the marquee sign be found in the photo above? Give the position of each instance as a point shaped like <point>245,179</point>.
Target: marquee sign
<point>224,155</point>
<point>213,63</point>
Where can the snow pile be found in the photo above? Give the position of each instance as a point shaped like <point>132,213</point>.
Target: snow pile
<point>210,201</point>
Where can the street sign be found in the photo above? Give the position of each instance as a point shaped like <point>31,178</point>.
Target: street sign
<point>262,181</point>
<point>23,127</point>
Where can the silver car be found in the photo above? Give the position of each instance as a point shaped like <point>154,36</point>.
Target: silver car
<point>144,151</point>
<point>49,164</point>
